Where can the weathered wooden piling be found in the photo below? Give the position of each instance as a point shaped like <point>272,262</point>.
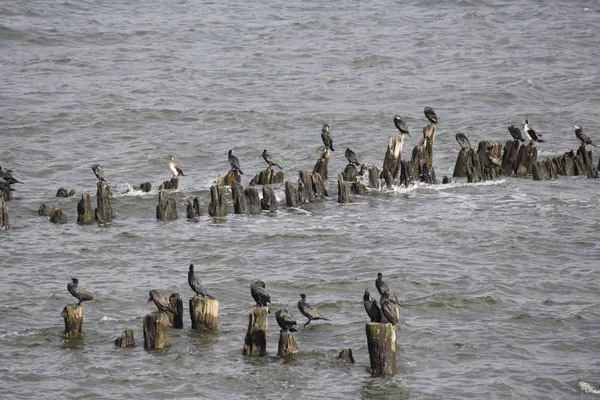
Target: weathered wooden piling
<point>166,210</point>
<point>306,192</point>
<point>104,211</point>
<point>156,331</point>
<point>291,195</point>
<point>393,156</point>
<point>245,201</point>
<point>62,192</point>
<point>44,210</point>
<point>4,223</point>
<point>267,177</point>
<point>381,341</point>
<point>510,157</point>
<point>193,210</point>
<point>253,200</point>
<point>322,163</point>
<point>204,313</point>
<point>144,187</point>
<point>350,173</point>
<point>85,214</point>
<point>58,217</point>
<point>255,343</point>
<point>526,158</point>
<point>7,195</point>
<point>358,188</point>
<point>346,356</point>
<point>173,183</point>
<point>373,175</point>
<point>176,303</point>
<point>269,201</point>
<point>318,186</point>
<point>343,195</point>
<point>460,167</point>
<point>287,344</point>
<point>126,339</point>
<point>73,316</point>
<point>218,203</point>
<point>407,174</point>
<point>230,178</point>
<point>422,156</point>
<point>588,167</point>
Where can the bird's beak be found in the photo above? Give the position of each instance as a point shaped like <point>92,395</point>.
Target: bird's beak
<point>408,134</point>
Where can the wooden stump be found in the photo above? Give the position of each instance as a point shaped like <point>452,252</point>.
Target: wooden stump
<point>350,173</point>
<point>266,177</point>
<point>73,316</point>
<point>291,195</point>
<point>144,187</point>
<point>343,196</point>
<point>446,180</point>
<point>176,319</point>
<point>104,211</point>
<point>527,156</point>
<point>381,340</point>
<point>4,225</point>
<point>321,165</point>
<point>192,210</point>
<point>269,201</point>
<point>305,187</point>
<point>85,214</point>
<point>359,188</point>
<point>170,184</point>
<point>204,313</point>
<point>156,331</point>
<point>218,203</point>
<point>240,203</point>
<point>44,210</point>
<point>460,167</point>
<point>393,156</point>
<point>387,178</point>
<point>62,192</point>
<point>588,167</point>
<point>318,186</point>
<point>232,177</point>
<point>126,339</point>
<point>58,217</point>
<point>255,343</point>
<point>166,210</point>
<point>253,200</point>
<point>422,156</point>
<point>287,344</point>
<point>7,196</point>
<point>373,176</point>
<point>407,174</point>
<point>346,356</point>
<point>278,177</point>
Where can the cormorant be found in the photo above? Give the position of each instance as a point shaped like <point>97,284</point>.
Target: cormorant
<point>351,156</point>
<point>99,172</point>
<point>259,294</point>
<point>175,167</point>
<point>383,287</point>
<point>401,125</point>
<point>270,159</point>
<point>371,307</point>
<point>234,162</point>
<point>431,115</point>
<point>7,175</point>
<point>533,134</point>
<point>462,139</point>
<point>516,133</point>
<point>583,138</point>
<point>5,187</point>
<point>160,301</point>
<point>78,292</point>
<point>309,311</point>
<point>326,136</point>
<point>285,320</point>
<point>390,307</point>
<point>196,285</point>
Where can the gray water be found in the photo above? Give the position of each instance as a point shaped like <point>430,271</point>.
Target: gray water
<point>498,281</point>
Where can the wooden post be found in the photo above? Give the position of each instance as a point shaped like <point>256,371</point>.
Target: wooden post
<point>359,188</point>
<point>177,305</point>
<point>44,210</point>
<point>171,184</point>
<point>204,313</point>
<point>318,186</point>
<point>269,201</point>
<point>58,217</point>
<point>104,211</point>
<point>346,356</point>
<point>407,174</point>
<point>85,215</point>
<point>253,200</point>
<point>73,316</point>
<point>321,165</point>
<point>218,203</point>
<point>287,344</point>
<point>460,167</point>
<point>373,174</point>
<point>343,196</point>
<point>350,173</point>
<point>193,209</point>
<point>305,187</point>
<point>4,225</point>
<point>393,156</point>
<point>231,178</point>
<point>277,177</point>
<point>255,343</point>
<point>144,187</point>
<point>291,195</point>
<point>240,203</point>
<point>126,339</point>
<point>166,210</point>
<point>156,331</point>
<point>381,340</point>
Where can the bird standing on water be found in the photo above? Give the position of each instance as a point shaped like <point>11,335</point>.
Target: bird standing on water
<point>431,115</point>
<point>234,162</point>
<point>175,167</point>
<point>351,156</point>
<point>326,137</point>
<point>462,139</point>
<point>583,138</point>
<point>401,125</point>
<point>371,307</point>
<point>259,293</point>
<point>78,292</point>
<point>285,320</point>
<point>270,159</point>
<point>160,301</point>
<point>196,284</point>
<point>309,311</point>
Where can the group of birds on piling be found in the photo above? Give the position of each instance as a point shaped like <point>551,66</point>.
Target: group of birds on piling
<point>388,307</point>
<point>7,178</point>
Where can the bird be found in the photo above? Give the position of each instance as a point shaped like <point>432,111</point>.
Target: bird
<point>175,167</point>
<point>99,172</point>
<point>78,292</point>
<point>326,137</point>
<point>285,320</point>
<point>462,139</point>
<point>583,138</point>
<point>160,301</point>
<point>533,134</point>
<point>382,287</point>
<point>401,125</point>
<point>5,187</point>
<point>309,311</point>
<point>516,133</point>
<point>259,294</point>
<point>390,307</point>
<point>371,307</point>
<point>351,156</point>
<point>195,283</point>
<point>7,175</point>
<point>431,115</point>
<point>270,159</point>
<point>234,162</point>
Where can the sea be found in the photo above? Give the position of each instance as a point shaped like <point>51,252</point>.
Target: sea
<point>498,281</point>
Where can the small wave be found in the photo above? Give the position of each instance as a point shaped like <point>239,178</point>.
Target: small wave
<point>589,387</point>
<point>25,332</point>
<point>106,318</point>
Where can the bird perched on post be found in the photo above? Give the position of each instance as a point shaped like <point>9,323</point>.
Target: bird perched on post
<point>390,307</point>
<point>259,293</point>
<point>351,156</point>
<point>326,137</point>
<point>401,125</point>
<point>462,139</point>
<point>78,292</point>
<point>583,138</point>
<point>99,172</point>
<point>234,162</point>
<point>431,115</point>
<point>8,177</point>
<point>383,287</point>
<point>309,311</point>
<point>533,134</point>
<point>516,133</point>
<point>285,320</point>
<point>371,307</point>
<point>196,284</point>
<point>161,302</point>
<point>270,159</point>
<point>175,167</point>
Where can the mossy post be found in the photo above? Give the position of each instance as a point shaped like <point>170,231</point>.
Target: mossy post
<point>126,339</point>
<point>85,214</point>
<point>381,340</point>
<point>104,211</point>
<point>73,316</point>
<point>156,331</point>
<point>255,343</point>
<point>44,210</point>
<point>287,344</point>
<point>58,217</point>
<point>204,313</point>
<point>166,210</point>
<point>4,225</point>
<point>218,204</point>
<point>177,305</point>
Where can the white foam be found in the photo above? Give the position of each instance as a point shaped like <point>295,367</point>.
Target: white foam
<point>587,387</point>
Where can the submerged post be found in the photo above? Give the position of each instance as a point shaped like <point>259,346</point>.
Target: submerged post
<point>73,316</point>
<point>126,339</point>
<point>58,217</point>
<point>85,215</point>
<point>343,196</point>
<point>177,305</point>
<point>287,344</point>
<point>104,211</point>
<point>156,331</point>
<point>255,343</point>
<point>204,313</point>
<point>218,204</point>
<point>381,340</point>
<point>166,210</point>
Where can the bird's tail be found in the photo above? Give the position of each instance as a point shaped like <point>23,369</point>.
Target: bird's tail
<point>332,148</point>
<point>593,144</point>
<point>240,171</point>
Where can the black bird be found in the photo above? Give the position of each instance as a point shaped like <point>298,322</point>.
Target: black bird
<point>259,294</point>
<point>160,301</point>
<point>382,287</point>
<point>285,320</point>
<point>78,292</point>
<point>351,156</point>
<point>533,134</point>
<point>390,307</point>
<point>516,133</point>
<point>431,115</point>
<point>234,162</point>
<point>5,187</point>
<point>583,138</point>
<point>401,125</point>
<point>462,139</point>
<point>196,285</point>
<point>7,175</point>
<point>371,307</point>
<point>99,172</point>
<point>326,137</point>
<point>270,159</point>
<point>309,311</point>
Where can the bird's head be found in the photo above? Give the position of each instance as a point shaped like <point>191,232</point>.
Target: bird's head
<point>191,267</point>
<point>303,296</point>
<point>326,127</point>
<point>379,275</point>
<point>74,280</point>
<point>577,127</point>
<point>230,151</point>
<point>171,158</point>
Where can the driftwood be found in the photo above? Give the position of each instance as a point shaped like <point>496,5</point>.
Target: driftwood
<point>204,313</point>
<point>255,343</point>
<point>381,341</point>
<point>393,156</point>
<point>291,195</point>
<point>321,165</point>
<point>126,339</point>
<point>73,316</point>
<point>176,303</point>
<point>346,356</point>
<point>193,210</point>
<point>104,211</point>
<point>4,223</point>
<point>62,192</point>
<point>44,210</point>
<point>170,184</point>
<point>85,214</point>
<point>58,217</point>
<point>156,331</point>
<point>166,210</point>
<point>343,195</point>
<point>144,187</point>
<point>287,344</point>
<point>218,203</point>
<point>269,201</point>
